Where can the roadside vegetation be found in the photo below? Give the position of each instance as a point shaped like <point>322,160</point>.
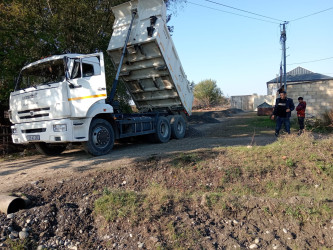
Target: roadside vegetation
<point>290,181</point>
<point>324,124</point>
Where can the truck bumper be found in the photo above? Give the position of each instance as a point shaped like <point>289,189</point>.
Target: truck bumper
<point>46,131</point>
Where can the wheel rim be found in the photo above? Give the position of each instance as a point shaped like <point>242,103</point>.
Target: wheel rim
<point>164,130</point>
<point>101,137</point>
<point>180,127</point>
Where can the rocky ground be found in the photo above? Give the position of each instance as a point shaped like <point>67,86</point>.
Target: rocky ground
<point>181,199</point>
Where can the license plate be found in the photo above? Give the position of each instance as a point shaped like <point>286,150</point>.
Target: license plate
<point>33,137</point>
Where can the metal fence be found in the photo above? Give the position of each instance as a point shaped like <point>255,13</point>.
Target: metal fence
<point>6,143</point>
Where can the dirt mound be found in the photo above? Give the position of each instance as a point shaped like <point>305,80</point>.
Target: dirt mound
<point>211,116</point>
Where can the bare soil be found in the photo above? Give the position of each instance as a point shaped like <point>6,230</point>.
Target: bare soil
<point>63,191</point>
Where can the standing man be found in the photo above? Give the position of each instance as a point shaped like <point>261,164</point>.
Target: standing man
<point>301,114</point>
<point>282,112</point>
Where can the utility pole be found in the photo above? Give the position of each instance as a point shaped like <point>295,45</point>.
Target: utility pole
<point>283,39</point>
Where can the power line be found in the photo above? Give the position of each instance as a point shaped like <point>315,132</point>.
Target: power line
<point>231,13</point>
<point>244,10</point>
<point>311,14</point>
<point>323,59</point>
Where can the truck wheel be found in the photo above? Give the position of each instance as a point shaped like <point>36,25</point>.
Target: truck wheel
<point>101,138</point>
<point>178,127</point>
<point>163,130</point>
<point>50,149</point>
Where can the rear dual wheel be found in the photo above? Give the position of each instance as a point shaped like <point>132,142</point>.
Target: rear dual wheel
<point>178,127</point>
<point>163,130</point>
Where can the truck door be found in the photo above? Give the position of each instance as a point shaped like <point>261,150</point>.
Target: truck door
<point>87,83</point>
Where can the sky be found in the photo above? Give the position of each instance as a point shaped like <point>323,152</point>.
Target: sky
<point>242,54</point>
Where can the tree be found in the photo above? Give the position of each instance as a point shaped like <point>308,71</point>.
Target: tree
<point>33,29</point>
<point>208,94</point>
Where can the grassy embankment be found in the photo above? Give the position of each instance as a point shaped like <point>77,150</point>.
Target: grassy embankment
<point>290,180</point>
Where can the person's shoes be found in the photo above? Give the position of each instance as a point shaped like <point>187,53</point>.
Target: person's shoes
<point>276,134</point>
<point>300,132</point>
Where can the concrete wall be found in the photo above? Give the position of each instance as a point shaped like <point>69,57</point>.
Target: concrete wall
<point>251,102</point>
<point>318,96</point>
<point>272,88</point>
<point>244,102</point>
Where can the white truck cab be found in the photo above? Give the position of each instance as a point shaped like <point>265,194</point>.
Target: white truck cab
<point>63,99</point>
<point>50,108</point>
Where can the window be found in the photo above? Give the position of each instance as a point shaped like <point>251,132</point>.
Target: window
<point>90,67</point>
<point>45,73</point>
<point>87,69</point>
<point>76,72</point>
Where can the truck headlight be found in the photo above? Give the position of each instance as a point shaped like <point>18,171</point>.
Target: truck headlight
<point>60,127</point>
<point>14,130</point>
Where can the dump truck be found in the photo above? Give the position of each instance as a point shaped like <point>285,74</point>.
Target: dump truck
<point>63,99</point>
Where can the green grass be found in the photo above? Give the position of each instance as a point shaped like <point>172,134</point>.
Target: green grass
<point>20,244</point>
<point>118,204</point>
<point>183,160</point>
<point>261,122</point>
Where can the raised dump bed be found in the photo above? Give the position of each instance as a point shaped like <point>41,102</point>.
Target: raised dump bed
<point>151,69</point>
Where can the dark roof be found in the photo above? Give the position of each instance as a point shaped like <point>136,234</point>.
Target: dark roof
<point>265,105</point>
<point>302,75</point>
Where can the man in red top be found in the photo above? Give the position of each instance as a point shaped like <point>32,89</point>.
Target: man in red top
<point>301,114</point>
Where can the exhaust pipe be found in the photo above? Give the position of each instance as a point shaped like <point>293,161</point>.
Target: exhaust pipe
<point>11,204</point>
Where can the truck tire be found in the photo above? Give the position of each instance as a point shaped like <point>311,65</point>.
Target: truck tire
<point>50,149</point>
<point>101,138</point>
<point>163,130</point>
<point>178,127</point>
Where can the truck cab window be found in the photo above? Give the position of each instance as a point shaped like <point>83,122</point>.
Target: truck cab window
<point>76,72</point>
<point>87,69</point>
<point>91,66</point>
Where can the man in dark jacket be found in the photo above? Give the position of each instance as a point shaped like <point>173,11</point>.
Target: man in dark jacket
<point>282,112</point>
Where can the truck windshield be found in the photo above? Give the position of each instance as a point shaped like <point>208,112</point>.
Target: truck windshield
<point>42,74</point>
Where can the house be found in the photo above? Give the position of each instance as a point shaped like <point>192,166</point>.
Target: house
<point>315,88</point>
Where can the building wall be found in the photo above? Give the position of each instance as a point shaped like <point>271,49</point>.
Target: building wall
<point>272,88</point>
<point>318,96</point>
<point>251,102</point>
<point>244,102</point>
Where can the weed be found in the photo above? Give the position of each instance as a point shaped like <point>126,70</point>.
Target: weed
<point>118,204</point>
<point>20,244</point>
<point>305,212</point>
<point>290,163</point>
<point>181,236</point>
<point>241,190</point>
<point>325,168</point>
<point>185,160</point>
<point>294,212</point>
<point>268,211</point>
<point>231,174</point>
<point>158,201</point>
<point>212,199</point>
<point>106,191</point>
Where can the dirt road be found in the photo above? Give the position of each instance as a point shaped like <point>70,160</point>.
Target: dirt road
<point>205,131</point>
